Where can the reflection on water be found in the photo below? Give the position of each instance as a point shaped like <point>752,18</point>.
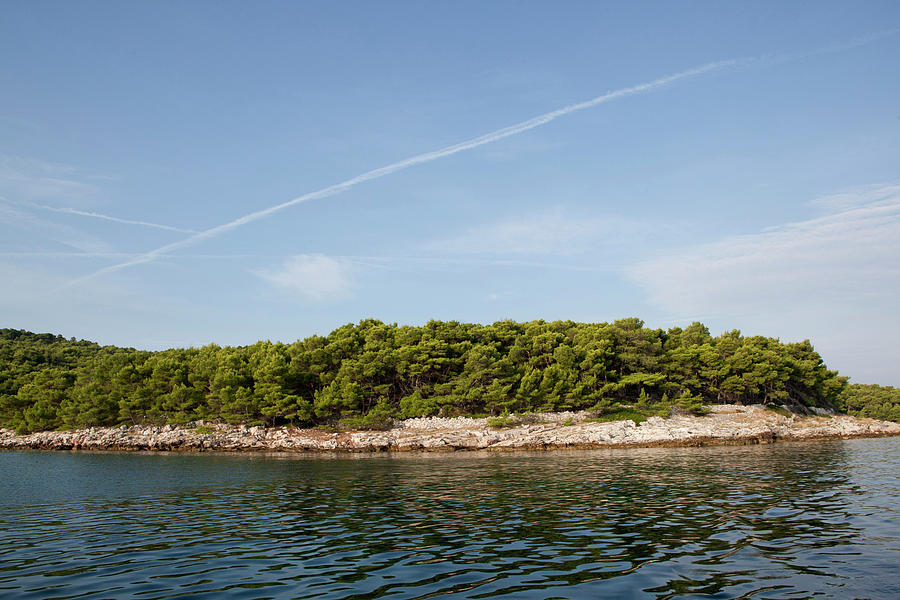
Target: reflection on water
<point>780,521</point>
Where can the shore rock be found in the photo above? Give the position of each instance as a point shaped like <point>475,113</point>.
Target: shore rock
<point>723,425</point>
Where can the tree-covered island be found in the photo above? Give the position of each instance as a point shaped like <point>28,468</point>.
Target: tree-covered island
<point>365,374</point>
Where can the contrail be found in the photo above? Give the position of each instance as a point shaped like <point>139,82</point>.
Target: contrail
<point>338,188</point>
<point>83,213</point>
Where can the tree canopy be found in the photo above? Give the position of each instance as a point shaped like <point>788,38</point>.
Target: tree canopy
<point>869,400</point>
<point>369,372</point>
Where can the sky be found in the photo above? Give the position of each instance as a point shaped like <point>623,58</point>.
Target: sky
<point>176,174</point>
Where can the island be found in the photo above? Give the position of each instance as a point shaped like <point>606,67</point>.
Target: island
<point>441,386</point>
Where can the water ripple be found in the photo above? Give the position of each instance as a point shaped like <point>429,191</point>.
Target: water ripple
<point>771,522</point>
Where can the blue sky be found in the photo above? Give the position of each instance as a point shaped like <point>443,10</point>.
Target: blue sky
<point>761,194</point>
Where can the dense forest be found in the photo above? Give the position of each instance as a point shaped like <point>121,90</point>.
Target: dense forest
<point>875,401</point>
<point>363,375</point>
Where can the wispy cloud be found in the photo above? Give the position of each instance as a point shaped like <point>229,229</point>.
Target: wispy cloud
<point>832,48</point>
<point>856,196</point>
<point>313,277</point>
<point>62,234</point>
<point>835,278</point>
<point>851,253</point>
<point>487,138</point>
<point>550,232</point>
<point>95,215</point>
<point>32,178</point>
<point>27,179</point>
<point>479,141</point>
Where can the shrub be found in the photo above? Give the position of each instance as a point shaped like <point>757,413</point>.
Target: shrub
<point>380,417</point>
<point>504,420</point>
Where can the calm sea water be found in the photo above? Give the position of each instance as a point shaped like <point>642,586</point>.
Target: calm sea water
<point>790,520</point>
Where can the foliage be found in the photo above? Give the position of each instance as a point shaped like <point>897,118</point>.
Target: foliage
<point>365,375</point>
<point>869,400</point>
<point>690,404</point>
<point>504,420</point>
<point>379,418</point>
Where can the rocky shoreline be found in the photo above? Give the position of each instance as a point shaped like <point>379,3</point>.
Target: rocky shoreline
<point>723,425</point>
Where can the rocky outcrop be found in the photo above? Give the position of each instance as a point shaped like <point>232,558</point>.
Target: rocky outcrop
<point>723,425</point>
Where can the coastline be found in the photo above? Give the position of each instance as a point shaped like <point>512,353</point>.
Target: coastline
<point>724,425</point>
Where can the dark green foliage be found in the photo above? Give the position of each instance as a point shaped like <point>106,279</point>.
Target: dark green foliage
<point>869,400</point>
<point>366,375</point>
<point>504,420</point>
<point>381,416</point>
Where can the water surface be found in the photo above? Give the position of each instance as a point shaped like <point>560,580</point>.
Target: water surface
<point>789,520</point>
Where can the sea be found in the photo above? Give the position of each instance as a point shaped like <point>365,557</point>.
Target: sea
<point>775,521</point>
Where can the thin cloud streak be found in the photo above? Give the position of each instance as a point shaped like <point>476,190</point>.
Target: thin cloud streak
<point>409,162</point>
<point>856,196</point>
<point>56,232</point>
<point>846,259</point>
<point>38,178</point>
<point>94,215</point>
<point>830,49</point>
<point>833,278</point>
